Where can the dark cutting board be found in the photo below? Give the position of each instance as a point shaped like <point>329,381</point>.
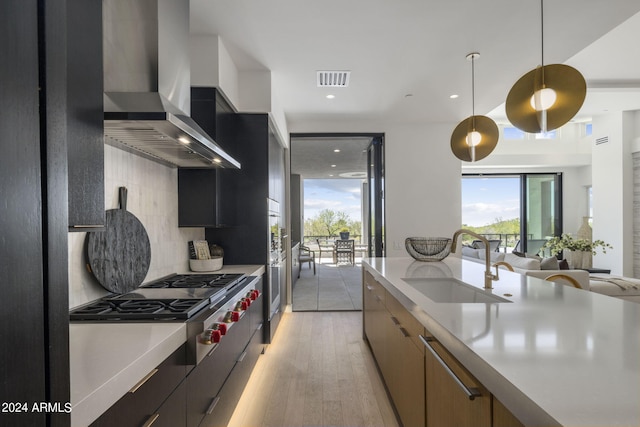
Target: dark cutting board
<point>119,257</point>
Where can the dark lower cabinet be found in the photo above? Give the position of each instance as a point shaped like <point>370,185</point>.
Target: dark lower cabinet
<point>215,385</point>
<point>233,387</point>
<point>161,389</point>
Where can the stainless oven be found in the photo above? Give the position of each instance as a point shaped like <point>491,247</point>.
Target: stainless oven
<point>275,268</point>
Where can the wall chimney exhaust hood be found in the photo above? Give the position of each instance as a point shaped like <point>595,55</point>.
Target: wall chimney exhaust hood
<point>147,85</point>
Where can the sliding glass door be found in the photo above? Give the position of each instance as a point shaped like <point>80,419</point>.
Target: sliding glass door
<point>542,210</point>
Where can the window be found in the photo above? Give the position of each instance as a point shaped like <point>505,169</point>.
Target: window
<point>547,135</point>
<point>522,210</point>
<point>588,129</point>
<point>512,133</point>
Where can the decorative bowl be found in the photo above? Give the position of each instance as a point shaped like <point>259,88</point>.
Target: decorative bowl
<point>213,264</point>
<point>428,248</point>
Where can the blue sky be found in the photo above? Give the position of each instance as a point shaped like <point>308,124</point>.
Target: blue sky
<point>335,194</point>
<point>485,199</point>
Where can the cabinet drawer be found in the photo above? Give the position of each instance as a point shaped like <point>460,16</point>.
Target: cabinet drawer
<point>449,389</point>
<point>205,381</point>
<point>232,389</point>
<point>405,320</point>
<point>143,400</point>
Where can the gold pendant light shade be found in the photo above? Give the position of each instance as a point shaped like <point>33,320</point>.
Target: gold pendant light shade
<point>469,150</point>
<point>525,107</point>
<point>475,137</point>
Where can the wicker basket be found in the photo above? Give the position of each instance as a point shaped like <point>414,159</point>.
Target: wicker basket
<point>428,248</point>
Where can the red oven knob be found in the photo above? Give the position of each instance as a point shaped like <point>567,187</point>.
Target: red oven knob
<point>256,294</point>
<point>248,301</point>
<point>222,327</point>
<point>235,316</point>
<point>210,336</point>
<point>243,305</point>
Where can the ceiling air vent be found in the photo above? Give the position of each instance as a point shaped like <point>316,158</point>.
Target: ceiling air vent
<point>333,78</point>
<point>602,140</point>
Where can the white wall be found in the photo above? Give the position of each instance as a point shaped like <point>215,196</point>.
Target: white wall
<point>613,190</point>
<point>153,199</point>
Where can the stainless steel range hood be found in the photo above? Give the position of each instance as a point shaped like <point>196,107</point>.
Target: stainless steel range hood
<point>147,85</point>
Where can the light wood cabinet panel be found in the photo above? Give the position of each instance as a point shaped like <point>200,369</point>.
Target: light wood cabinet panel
<point>447,403</point>
<point>502,417</point>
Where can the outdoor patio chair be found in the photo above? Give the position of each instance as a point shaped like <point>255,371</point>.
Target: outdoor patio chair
<point>324,246</point>
<point>344,251</point>
<point>307,255</point>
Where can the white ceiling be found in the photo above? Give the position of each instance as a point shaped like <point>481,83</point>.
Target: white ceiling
<point>396,48</point>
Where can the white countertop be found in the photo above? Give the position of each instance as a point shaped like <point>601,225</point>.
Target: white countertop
<point>555,355</point>
<point>107,359</point>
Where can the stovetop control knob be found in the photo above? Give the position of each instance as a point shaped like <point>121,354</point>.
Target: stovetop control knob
<point>255,294</point>
<point>235,316</point>
<point>222,327</point>
<point>240,305</point>
<point>210,336</point>
<point>247,301</point>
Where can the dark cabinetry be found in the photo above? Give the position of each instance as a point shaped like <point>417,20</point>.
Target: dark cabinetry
<point>33,167</point>
<point>261,177</point>
<point>85,139</point>
<point>160,396</point>
<point>215,385</point>
<point>202,201</point>
<point>211,110</point>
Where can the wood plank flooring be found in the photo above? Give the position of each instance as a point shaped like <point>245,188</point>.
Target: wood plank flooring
<point>317,372</point>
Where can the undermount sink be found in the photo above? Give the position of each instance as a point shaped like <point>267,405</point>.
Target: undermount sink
<point>452,290</point>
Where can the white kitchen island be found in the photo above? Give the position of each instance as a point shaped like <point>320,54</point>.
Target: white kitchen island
<point>552,354</point>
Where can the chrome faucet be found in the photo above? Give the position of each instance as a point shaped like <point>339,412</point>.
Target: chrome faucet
<point>488,276</point>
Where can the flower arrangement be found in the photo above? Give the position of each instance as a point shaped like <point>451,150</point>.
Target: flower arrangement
<point>344,229</point>
<point>566,241</point>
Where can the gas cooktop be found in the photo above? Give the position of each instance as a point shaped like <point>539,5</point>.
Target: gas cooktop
<point>176,297</point>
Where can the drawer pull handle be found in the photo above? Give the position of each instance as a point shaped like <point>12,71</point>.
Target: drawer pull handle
<point>395,320</point>
<point>213,405</point>
<point>471,393</point>
<point>151,420</point>
<point>259,326</point>
<point>142,381</point>
<point>242,356</point>
<point>369,288</point>
<point>404,332</point>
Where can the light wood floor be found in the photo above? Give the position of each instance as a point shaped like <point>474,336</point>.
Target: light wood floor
<point>317,372</point>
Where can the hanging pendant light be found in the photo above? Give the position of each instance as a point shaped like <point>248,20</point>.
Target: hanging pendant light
<point>545,98</point>
<point>475,137</point>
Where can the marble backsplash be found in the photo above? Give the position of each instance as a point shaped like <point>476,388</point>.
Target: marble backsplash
<point>153,199</point>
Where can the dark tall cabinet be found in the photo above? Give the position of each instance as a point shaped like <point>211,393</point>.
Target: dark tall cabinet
<point>261,177</point>
<point>34,356</point>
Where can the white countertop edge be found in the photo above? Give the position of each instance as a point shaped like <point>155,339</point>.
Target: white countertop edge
<point>91,406</point>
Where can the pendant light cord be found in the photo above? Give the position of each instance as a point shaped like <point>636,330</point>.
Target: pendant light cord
<point>542,41</point>
<point>473,87</point>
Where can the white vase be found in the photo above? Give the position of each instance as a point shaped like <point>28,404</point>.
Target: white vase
<point>585,232</point>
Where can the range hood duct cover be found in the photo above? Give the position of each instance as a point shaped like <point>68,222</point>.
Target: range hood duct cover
<point>147,85</point>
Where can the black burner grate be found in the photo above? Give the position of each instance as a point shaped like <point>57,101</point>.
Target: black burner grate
<point>179,309</point>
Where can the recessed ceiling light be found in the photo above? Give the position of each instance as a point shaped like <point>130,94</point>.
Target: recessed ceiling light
<point>330,174</point>
<point>330,96</point>
<point>333,166</point>
<point>184,140</point>
<point>216,160</point>
<point>454,96</point>
<point>337,150</point>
